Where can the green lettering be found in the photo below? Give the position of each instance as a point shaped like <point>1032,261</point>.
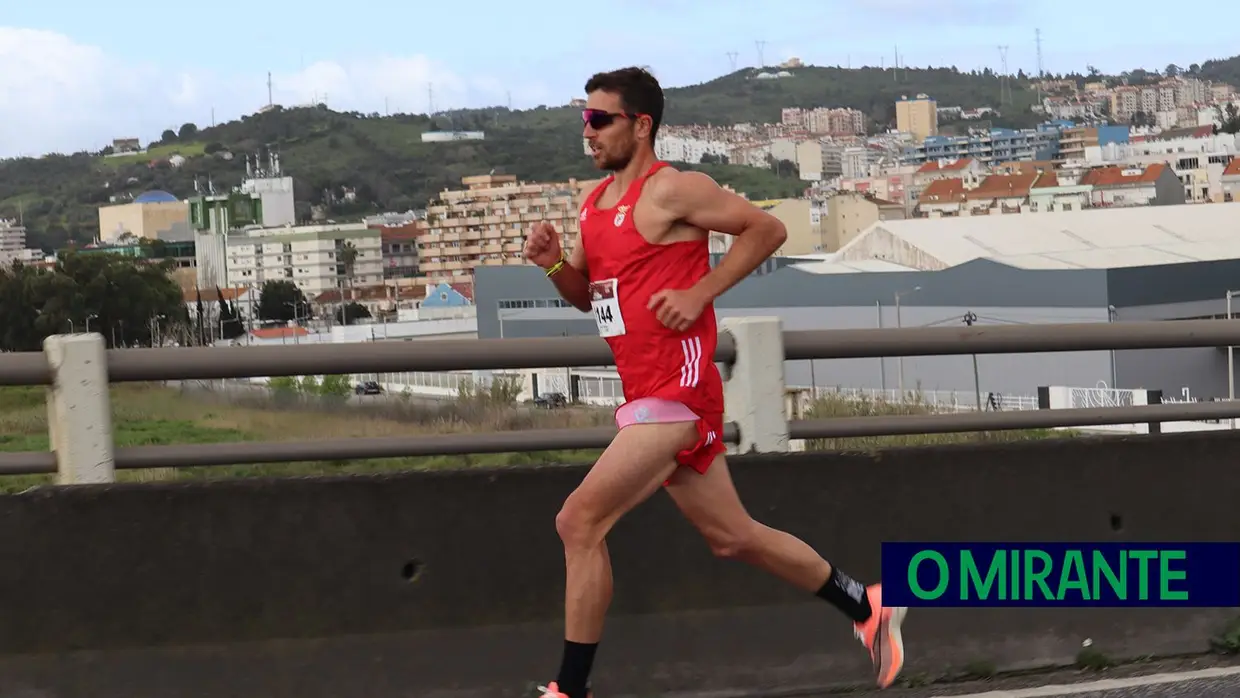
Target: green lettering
<point>1074,567</point>
<point>971,578</point>
<point>1102,568</point>
<point>944,576</point>
<point>1015,567</point>
<point>1038,577</point>
<point>1166,574</point>
<point>1143,572</point>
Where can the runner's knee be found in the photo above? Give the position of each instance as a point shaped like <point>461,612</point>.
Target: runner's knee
<point>735,542</point>
<point>579,528</point>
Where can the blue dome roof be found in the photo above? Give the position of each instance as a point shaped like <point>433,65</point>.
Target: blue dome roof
<point>155,196</point>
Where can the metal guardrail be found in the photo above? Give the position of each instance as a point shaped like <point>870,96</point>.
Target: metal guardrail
<point>136,365</point>
<point>205,363</point>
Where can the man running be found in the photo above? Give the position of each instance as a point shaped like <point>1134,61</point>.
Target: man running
<point>642,267</point>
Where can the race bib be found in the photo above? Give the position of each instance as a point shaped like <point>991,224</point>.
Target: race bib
<point>605,300</point>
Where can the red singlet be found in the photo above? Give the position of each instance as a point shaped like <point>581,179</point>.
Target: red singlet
<point>654,361</point>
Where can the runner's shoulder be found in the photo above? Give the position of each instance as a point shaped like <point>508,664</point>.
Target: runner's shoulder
<point>669,182</point>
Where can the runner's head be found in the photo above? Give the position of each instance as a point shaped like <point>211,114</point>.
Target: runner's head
<point>623,111</point>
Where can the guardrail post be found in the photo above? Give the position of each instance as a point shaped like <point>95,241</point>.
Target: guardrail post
<point>79,413</point>
<point>753,394</point>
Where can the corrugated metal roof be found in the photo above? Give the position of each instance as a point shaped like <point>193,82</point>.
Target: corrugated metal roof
<point>831,265</point>
<point>1090,239</point>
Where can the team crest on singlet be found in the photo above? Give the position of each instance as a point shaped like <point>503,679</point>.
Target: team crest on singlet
<point>619,219</point>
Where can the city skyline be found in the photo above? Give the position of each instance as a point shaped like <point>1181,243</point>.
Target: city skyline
<point>76,80</point>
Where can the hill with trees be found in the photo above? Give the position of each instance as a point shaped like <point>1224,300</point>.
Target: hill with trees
<point>384,161</point>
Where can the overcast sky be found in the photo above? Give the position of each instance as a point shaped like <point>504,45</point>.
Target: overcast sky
<point>75,74</point>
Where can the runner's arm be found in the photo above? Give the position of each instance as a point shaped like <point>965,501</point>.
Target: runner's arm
<point>571,280</point>
<point>696,199</point>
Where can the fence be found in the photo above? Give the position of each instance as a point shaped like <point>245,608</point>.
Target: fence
<point>752,351</point>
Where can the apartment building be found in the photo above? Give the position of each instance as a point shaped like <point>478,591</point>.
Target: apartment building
<point>399,248</point>
<point>673,148</point>
<point>895,184</point>
<point>1073,142</point>
<point>1164,100</point>
<point>12,241</point>
<point>918,116</point>
<point>484,224</point>
<point>812,161</point>
<point>309,255</point>
<point>990,146</point>
<point>825,121</point>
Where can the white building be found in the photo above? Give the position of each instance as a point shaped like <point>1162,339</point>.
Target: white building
<point>309,256</point>
<point>686,149</point>
<point>12,241</point>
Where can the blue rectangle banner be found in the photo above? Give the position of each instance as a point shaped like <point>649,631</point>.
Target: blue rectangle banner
<point>1072,575</point>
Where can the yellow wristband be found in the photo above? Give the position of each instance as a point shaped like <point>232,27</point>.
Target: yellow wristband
<point>555,268</point>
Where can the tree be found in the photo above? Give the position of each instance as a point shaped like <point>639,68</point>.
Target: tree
<point>282,301</point>
<point>348,258</point>
<point>187,132</point>
<point>1229,119</point>
<point>352,312</point>
<point>118,297</point>
<point>168,136</point>
<point>230,326</point>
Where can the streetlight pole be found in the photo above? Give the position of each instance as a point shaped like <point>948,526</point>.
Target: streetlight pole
<point>899,324</point>
<point>970,318</point>
<point>1231,364</point>
<point>882,361</point>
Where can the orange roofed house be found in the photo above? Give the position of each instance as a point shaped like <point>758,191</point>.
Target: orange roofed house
<point>939,170</point>
<point>1152,185</point>
<point>972,195</point>
<point>1230,181</point>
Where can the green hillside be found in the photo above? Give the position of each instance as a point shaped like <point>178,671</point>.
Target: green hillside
<point>385,161</point>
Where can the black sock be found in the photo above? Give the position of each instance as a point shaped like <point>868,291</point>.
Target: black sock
<point>574,677</point>
<point>848,595</point>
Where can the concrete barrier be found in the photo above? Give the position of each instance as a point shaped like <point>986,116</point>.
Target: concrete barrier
<point>450,583</point>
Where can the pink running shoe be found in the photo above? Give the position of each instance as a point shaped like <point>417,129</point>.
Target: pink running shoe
<point>553,691</point>
<point>881,636</point>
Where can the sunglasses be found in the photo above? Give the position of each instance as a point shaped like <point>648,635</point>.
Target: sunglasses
<point>599,119</point>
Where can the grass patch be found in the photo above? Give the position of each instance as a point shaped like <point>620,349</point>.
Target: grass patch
<point>835,406</point>
<point>214,412</point>
<point>203,413</point>
<point>190,149</point>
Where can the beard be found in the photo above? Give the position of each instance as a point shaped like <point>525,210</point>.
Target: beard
<point>613,162</point>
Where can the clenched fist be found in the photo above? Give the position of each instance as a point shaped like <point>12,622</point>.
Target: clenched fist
<point>542,245</point>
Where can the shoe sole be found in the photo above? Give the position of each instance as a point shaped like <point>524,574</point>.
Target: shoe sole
<point>890,648</point>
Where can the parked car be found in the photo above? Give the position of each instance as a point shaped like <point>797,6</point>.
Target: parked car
<point>550,401</point>
<point>368,388</point>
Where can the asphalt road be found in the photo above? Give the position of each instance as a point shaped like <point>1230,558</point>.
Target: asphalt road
<point>1198,677</point>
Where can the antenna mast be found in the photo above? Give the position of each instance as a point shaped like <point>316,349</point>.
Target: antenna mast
<point>1005,88</point>
<point>270,100</point>
<point>1037,33</point>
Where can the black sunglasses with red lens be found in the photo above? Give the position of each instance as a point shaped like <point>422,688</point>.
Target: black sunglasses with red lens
<point>600,119</point>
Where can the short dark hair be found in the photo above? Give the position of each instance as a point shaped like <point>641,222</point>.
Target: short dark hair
<point>639,92</point>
